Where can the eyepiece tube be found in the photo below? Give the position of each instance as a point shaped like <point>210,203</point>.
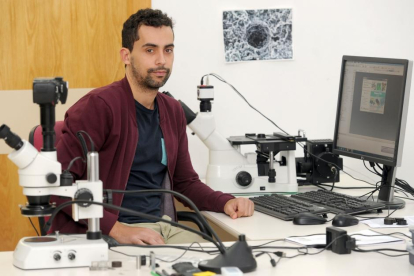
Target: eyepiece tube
<point>189,114</point>
<point>11,139</point>
<point>47,119</point>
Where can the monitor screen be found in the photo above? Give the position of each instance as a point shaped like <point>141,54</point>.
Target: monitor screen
<point>373,97</point>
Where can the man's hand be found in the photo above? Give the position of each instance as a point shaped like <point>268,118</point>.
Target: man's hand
<point>135,235</point>
<point>239,207</point>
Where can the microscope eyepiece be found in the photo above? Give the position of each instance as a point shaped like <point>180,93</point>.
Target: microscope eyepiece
<point>10,138</point>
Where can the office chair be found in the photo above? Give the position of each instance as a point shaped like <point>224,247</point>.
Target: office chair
<point>36,139</point>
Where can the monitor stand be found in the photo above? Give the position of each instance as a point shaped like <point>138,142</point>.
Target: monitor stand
<point>386,192</point>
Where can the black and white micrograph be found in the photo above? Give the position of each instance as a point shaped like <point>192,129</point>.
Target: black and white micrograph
<point>257,34</point>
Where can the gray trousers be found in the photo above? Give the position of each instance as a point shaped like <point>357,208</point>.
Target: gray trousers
<point>171,234</point>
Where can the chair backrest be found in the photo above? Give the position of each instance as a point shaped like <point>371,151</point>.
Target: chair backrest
<point>36,136</point>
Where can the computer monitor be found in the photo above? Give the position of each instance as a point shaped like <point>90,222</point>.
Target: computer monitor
<point>372,114</point>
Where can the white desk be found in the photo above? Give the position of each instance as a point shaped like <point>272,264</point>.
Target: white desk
<point>258,229</point>
<point>324,264</point>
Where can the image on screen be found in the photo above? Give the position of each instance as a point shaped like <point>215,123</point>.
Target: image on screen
<point>370,111</point>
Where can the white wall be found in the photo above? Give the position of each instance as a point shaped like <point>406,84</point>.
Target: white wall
<point>295,94</point>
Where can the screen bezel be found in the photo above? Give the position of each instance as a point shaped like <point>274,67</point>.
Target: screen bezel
<point>335,149</point>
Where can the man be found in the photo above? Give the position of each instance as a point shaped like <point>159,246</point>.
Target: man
<point>140,135</point>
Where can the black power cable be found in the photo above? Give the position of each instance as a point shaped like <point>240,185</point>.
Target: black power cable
<point>399,185</point>
<point>37,233</point>
<point>80,137</point>
<point>238,93</point>
<point>383,249</point>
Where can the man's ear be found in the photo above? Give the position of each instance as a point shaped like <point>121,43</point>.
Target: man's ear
<point>125,54</point>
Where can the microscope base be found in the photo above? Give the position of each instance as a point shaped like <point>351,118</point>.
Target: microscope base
<point>49,252</point>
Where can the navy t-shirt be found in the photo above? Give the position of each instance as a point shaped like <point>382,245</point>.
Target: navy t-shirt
<point>148,168</point>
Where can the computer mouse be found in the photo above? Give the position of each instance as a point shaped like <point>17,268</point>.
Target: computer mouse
<point>344,220</point>
<point>308,219</point>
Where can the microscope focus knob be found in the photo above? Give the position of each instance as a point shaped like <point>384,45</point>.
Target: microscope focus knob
<point>84,194</point>
<point>51,178</point>
<point>56,257</point>
<point>243,178</point>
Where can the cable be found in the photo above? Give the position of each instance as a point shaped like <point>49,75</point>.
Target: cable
<point>266,243</point>
<point>186,249</point>
<point>171,246</point>
<point>377,172</point>
<point>366,218</point>
<point>368,168</point>
<point>136,213</point>
<point>404,187</point>
<point>73,161</point>
<point>320,186</point>
<point>37,233</point>
<point>125,254</point>
<point>179,257</point>
<point>372,192</point>
<point>310,235</point>
<point>336,172</point>
<point>397,233</point>
<point>380,251</point>
<point>272,261</point>
<point>238,93</point>
<point>80,132</point>
<point>345,188</point>
<point>83,145</point>
<point>186,199</point>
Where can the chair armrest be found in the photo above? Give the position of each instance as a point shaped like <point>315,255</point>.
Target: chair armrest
<point>192,217</point>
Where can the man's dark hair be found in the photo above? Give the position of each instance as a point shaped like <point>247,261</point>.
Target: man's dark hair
<point>147,17</point>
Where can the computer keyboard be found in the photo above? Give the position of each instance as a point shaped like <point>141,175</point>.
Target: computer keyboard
<point>284,207</point>
<point>339,203</point>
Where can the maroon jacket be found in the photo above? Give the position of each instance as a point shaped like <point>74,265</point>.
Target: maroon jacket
<point>108,115</point>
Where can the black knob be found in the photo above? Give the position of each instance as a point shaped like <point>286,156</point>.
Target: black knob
<point>66,178</point>
<point>116,264</point>
<point>71,256</point>
<point>272,176</point>
<point>261,135</point>
<point>243,178</point>
<point>56,257</point>
<point>84,194</point>
<point>401,221</point>
<point>389,221</point>
<point>51,178</point>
